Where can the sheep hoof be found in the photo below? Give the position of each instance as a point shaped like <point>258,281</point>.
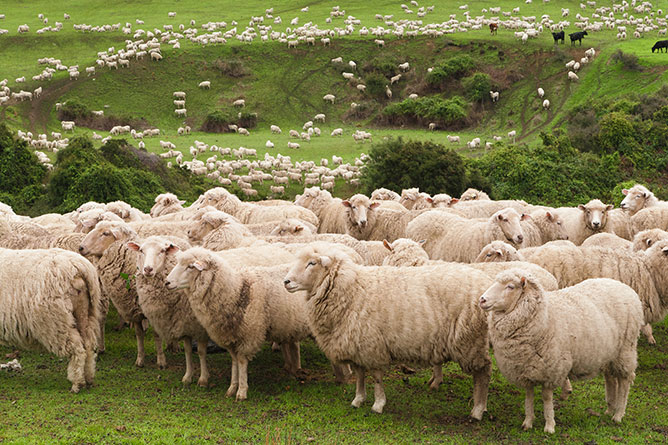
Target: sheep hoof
<point>549,429</point>
<point>241,396</point>
<point>477,413</point>
<point>139,363</point>
<point>378,407</point>
<point>186,380</point>
<point>651,340</point>
<point>162,365</point>
<point>617,418</point>
<point>434,384</point>
<point>357,402</point>
<point>231,391</point>
<point>527,424</point>
<point>204,383</point>
<point>76,387</point>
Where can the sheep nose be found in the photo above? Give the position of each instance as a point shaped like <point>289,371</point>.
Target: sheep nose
<point>363,223</point>
<point>81,248</point>
<point>520,238</point>
<point>167,283</point>
<point>595,223</point>
<point>482,299</point>
<point>286,282</point>
<point>148,270</point>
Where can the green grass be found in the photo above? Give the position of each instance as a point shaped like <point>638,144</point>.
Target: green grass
<point>130,405</point>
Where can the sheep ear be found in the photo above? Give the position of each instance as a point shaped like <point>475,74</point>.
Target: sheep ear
<point>132,246</point>
<point>645,195</point>
<point>665,250</point>
<point>387,245</point>
<point>500,217</point>
<point>299,228</point>
<point>172,249</point>
<point>625,192</point>
<point>213,220</point>
<point>525,216</point>
<point>550,217</point>
<point>454,201</point>
<point>325,261</point>
<point>581,207</point>
<point>87,223</point>
<point>346,203</point>
<point>422,241</point>
<point>117,232</point>
<point>181,202</point>
<point>429,200</point>
<point>523,281</point>
<point>374,205</point>
<point>609,207</point>
<point>199,265</point>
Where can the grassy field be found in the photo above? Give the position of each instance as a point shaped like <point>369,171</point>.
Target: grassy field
<point>130,405</point>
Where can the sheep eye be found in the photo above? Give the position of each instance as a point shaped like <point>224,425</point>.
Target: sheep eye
<point>310,263</point>
<point>510,286</point>
<point>489,254</point>
<point>105,234</point>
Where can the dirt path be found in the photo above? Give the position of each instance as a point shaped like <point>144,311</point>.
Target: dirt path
<point>40,108</point>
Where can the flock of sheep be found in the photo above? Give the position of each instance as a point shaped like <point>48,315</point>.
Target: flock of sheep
<point>558,293</point>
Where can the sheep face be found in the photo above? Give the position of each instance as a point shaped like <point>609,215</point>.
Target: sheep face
<point>498,251</point>
<point>185,272</point>
<point>308,271</point>
<point>557,225</point>
<point>505,294</point>
<point>470,195</point>
<point>509,222</point>
<point>595,214</point>
<point>307,197</point>
<point>635,198</point>
<point>647,238</point>
<point>408,197</point>
<point>152,254</point>
<point>208,222</point>
<point>358,209</point>
<point>443,200</point>
<point>101,237</point>
<point>290,227</point>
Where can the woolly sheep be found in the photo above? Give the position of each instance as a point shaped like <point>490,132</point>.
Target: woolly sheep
<point>637,198</point>
<point>364,222</point>
<point>383,194</point>
<point>413,199</point>
<point>585,220</point>
<point>90,218</point>
<point>105,246</point>
<point>168,312</point>
<point>473,194</point>
<point>608,240</point>
<point>52,298</point>
<point>650,218</point>
<point>338,291</point>
<point>543,338</point>
<point>486,208</point>
<point>165,204</point>
<point>646,239</point>
<point>450,237</point>
<point>240,309</point>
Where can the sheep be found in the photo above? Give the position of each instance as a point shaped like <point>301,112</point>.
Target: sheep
<point>364,222</point>
<point>494,95</point>
<point>290,226</point>
<point>240,309</point>
<point>68,241</point>
<point>275,129</point>
<point>572,76</point>
<point>338,291</point>
<point>165,204</point>
<point>473,194</point>
<point>168,312</point>
<point>52,298</point>
<point>450,237</point>
<point>512,134</point>
<point>105,246</point>
<point>126,212</point>
<point>609,240</point>
<point>646,239</point>
<point>250,213</point>
<point>542,337</point>
<point>329,98</point>
<point>541,92</point>
<point>453,139</point>
<point>383,194</point>
<point>542,226</point>
<point>395,79</point>
<point>412,199</point>
<point>546,104</point>
<point>205,85</point>
<point>239,103</point>
<point>637,198</point>
<point>585,220</point>
<point>443,200</point>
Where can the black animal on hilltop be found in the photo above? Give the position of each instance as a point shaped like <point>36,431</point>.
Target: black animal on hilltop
<point>559,36</point>
<point>660,45</point>
<point>577,36</point>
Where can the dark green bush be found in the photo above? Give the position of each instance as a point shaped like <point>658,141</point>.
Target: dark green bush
<point>19,167</point>
<point>73,110</point>
<point>397,164</point>
<point>453,68</point>
<point>628,60</point>
<point>385,66</point>
<point>477,87</point>
<point>218,121</point>
<point>446,112</point>
<point>231,67</point>
<point>375,85</point>
<point>617,133</point>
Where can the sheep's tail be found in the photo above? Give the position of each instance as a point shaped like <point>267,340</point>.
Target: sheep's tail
<point>89,274</point>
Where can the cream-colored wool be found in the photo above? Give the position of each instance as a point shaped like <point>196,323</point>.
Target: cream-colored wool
<point>371,253</point>
<point>646,239</point>
<point>168,312</point>
<point>152,227</point>
<point>393,205</point>
<point>450,237</point>
<point>619,223</point>
<point>240,308</point>
<point>543,338</point>
<point>331,213</point>
<point>126,212</point>
<point>69,242</point>
<point>383,194</point>
<point>498,251</point>
<point>55,223</point>
<point>542,226</point>
<point>231,231</point>
<point>650,218</point>
<point>637,198</point>
<point>413,199</point>
<point>166,204</point>
<point>87,220</point>
<point>609,240</point>
<point>585,220</point>
<point>373,316</point>
<point>52,298</point>
<point>485,208</point>
<point>287,227</point>
<point>249,213</point>
<point>474,195</point>
<point>116,265</point>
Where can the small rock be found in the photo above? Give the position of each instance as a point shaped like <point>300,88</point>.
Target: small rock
<point>310,439</point>
<point>121,428</point>
<point>591,412</point>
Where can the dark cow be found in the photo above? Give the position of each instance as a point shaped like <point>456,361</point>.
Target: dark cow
<point>493,28</point>
<point>660,45</point>
<point>559,36</point>
<point>577,36</point>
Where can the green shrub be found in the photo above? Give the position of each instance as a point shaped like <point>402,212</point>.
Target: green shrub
<point>477,87</point>
<point>384,66</point>
<point>375,85</point>
<point>628,60</point>
<point>453,68</point>
<point>397,164</point>
<point>232,67</point>
<point>617,133</point>
<point>19,167</point>
<point>73,110</point>
<point>446,112</point>
<point>217,121</point>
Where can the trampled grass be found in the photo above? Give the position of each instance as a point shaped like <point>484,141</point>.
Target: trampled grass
<point>130,405</point>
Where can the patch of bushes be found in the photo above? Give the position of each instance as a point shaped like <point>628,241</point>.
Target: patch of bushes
<point>397,164</point>
<point>218,121</point>
<point>385,66</point>
<point>375,85</point>
<point>628,60</point>
<point>73,110</point>
<point>446,112</point>
<point>477,87</point>
<point>453,68</point>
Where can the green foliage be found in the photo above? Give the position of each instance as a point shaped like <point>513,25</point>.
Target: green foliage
<point>375,85</point>
<point>19,167</point>
<point>617,133</point>
<point>447,112</point>
<point>230,67</point>
<point>628,60</point>
<point>73,110</point>
<point>453,68</point>
<point>397,164</point>
<point>383,65</point>
<point>218,121</point>
<point>477,87</point>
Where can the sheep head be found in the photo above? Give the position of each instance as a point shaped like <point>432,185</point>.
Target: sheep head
<point>508,221</point>
<point>104,235</point>
<point>595,214</point>
<point>152,254</point>
<point>359,209</point>
<point>507,292</point>
<point>635,198</point>
<point>498,251</point>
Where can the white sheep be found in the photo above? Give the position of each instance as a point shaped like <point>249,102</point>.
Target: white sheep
<point>329,98</point>
<point>494,95</point>
<point>637,198</point>
<point>165,204</point>
<point>205,84</point>
<point>572,76</point>
<point>275,129</point>
<point>52,299</point>
<point>585,220</point>
<point>541,92</point>
<point>339,291</point>
<point>239,103</point>
<point>543,338</point>
<point>546,104</point>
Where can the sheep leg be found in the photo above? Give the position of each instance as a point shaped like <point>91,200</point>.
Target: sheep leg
<point>75,368</point>
<point>139,333</point>
<point>103,321</point>
<point>623,386</point>
<point>234,379</point>
<point>436,376</point>
<point>378,392</point>
<point>548,410</point>
<point>566,389</point>
<point>287,358</point>
<point>204,370</point>
<point>159,351</point>
<point>188,347</point>
<point>610,393</point>
<point>297,355</point>
<point>647,332</point>
<point>480,388</point>
<point>528,409</point>
<point>89,368</point>
<point>242,364</point>
<point>360,388</point>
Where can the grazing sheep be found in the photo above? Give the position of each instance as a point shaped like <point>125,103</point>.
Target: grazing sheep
<point>546,104</point>
<point>383,194</point>
<point>543,338</point>
<point>240,309</point>
<point>572,76</point>
<point>205,84</point>
<point>52,299</point>
<point>168,312</point>
<point>105,245</point>
<point>339,292</point>
<point>329,98</point>
<point>541,92</point>
<point>450,237</point>
<point>249,213</point>
<point>660,45</point>
<point>646,239</point>
<point>494,95</point>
